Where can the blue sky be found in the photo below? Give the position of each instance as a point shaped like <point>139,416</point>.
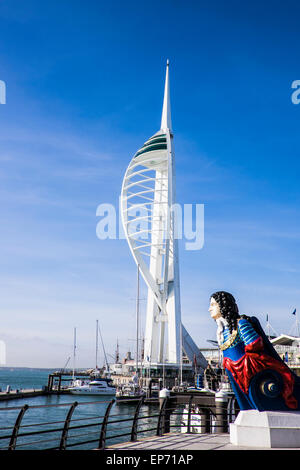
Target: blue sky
<point>84,84</point>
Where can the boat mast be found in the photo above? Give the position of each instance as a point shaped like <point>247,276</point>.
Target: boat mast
<point>96,344</point>
<point>137,319</point>
<point>297,323</point>
<point>181,354</point>
<point>105,358</point>
<point>268,327</point>
<point>117,353</point>
<point>74,353</point>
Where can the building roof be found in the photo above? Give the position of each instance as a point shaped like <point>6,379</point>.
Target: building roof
<point>285,340</point>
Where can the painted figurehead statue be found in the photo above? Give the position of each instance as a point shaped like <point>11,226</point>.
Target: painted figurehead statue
<point>258,376</point>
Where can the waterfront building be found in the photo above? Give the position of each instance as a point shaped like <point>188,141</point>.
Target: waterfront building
<point>288,348</point>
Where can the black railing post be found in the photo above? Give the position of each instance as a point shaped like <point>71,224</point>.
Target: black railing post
<point>205,426</point>
<point>102,438</point>
<point>170,406</point>
<point>59,383</point>
<point>64,436</point>
<point>161,418</point>
<point>14,435</point>
<point>189,414</point>
<point>133,436</point>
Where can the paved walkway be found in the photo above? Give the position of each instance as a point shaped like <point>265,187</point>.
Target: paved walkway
<point>185,442</point>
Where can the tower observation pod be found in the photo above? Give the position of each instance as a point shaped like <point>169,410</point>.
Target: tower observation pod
<point>149,220</point>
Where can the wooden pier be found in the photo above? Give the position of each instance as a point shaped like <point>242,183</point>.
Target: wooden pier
<point>56,379</point>
<point>28,393</point>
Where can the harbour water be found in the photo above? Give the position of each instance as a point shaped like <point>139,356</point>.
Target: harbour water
<point>23,378</point>
<point>43,413</point>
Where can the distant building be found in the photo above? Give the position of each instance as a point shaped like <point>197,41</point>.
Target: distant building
<point>212,355</point>
<point>288,348</point>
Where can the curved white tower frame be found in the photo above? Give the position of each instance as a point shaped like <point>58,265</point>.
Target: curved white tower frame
<point>149,222</point>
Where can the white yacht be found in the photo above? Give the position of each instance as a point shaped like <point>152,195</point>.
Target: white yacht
<point>95,387</point>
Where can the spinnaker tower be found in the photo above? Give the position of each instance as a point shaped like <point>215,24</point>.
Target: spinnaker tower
<point>148,210</point>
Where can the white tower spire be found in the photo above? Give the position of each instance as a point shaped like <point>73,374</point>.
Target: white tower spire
<point>166,122</point>
<point>147,202</point>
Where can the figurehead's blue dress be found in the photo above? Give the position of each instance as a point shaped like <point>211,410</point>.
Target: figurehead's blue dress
<point>259,378</point>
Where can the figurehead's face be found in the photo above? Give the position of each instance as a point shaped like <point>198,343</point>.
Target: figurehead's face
<point>214,309</point>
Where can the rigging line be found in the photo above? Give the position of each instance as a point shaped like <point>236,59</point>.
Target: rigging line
<point>103,349</point>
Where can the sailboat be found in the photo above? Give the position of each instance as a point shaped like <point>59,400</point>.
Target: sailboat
<point>98,386</point>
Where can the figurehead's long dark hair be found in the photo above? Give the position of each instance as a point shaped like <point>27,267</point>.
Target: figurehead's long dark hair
<point>228,308</point>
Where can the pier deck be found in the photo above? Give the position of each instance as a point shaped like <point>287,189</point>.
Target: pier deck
<point>28,393</point>
<point>185,442</point>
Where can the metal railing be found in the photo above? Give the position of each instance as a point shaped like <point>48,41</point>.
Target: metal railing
<point>174,414</point>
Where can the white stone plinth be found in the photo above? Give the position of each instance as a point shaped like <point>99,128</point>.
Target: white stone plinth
<point>268,429</point>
